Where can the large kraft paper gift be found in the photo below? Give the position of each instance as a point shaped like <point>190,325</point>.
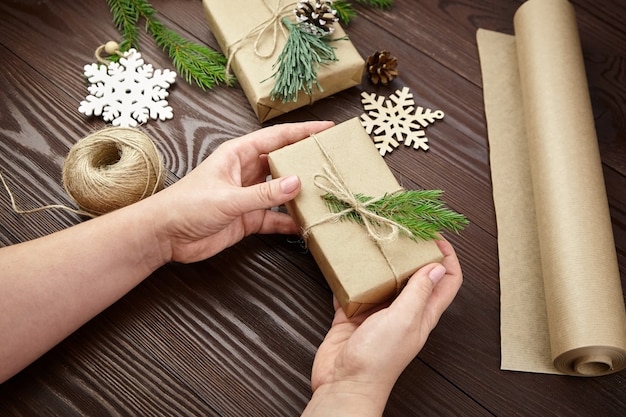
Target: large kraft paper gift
<point>251,35</point>
<point>361,271</point>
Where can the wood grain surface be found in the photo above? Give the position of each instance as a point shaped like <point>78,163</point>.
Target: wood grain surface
<point>235,335</point>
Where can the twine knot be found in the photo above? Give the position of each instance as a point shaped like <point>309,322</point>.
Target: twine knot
<point>110,48</point>
<point>271,25</point>
<point>381,229</point>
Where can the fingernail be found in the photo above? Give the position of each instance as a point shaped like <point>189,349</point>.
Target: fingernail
<point>437,273</point>
<point>289,184</point>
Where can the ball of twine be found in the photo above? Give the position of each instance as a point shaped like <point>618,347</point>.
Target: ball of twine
<point>112,168</point>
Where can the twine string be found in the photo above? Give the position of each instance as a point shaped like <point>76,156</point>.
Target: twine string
<point>107,170</point>
<point>271,25</point>
<point>106,48</point>
<point>112,168</point>
<point>18,210</point>
<point>380,229</point>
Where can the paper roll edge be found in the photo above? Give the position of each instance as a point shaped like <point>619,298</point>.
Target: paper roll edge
<point>590,361</point>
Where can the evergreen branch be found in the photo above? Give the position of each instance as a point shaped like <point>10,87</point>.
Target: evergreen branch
<point>345,11</point>
<point>194,62</point>
<point>297,64</point>
<point>420,211</point>
<point>125,19</point>
<point>126,14</point>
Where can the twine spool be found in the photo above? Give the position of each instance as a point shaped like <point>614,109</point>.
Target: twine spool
<point>112,168</point>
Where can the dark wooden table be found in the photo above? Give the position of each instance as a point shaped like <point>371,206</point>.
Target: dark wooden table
<point>235,335</point>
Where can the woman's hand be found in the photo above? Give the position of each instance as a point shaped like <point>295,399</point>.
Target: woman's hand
<point>361,358</point>
<point>227,197</point>
<point>53,285</point>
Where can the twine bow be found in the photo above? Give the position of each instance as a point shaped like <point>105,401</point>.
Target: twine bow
<point>273,24</point>
<point>380,229</point>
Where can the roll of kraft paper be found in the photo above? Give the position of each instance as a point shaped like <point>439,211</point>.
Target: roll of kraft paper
<point>562,307</point>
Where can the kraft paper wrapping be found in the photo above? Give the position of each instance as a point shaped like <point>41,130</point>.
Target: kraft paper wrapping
<point>562,307</point>
<point>251,32</point>
<point>355,267</point>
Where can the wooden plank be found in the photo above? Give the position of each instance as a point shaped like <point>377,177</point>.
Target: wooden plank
<point>35,136</point>
<point>214,338</point>
<point>236,335</point>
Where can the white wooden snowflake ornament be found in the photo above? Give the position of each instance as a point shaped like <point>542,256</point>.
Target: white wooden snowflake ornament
<point>128,92</point>
<point>397,120</point>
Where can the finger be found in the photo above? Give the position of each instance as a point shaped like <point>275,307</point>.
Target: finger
<point>275,137</point>
<point>445,292</point>
<point>412,301</point>
<point>443,295</point>
<point>451,261</point>
<point>276,222</point>
<point>255,173</point>
<point>266,194</point>
<point>336,304</point>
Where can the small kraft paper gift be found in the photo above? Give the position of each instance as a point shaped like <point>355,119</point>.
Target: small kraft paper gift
<point>362,268</point>
<point>253,33</point>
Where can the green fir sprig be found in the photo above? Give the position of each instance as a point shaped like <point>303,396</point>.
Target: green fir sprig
<point>297,65</point>
<point>345,11</point>
<point>419,211</point>
<point>126,16</point>
<point>296,68</point>
<point>196,63</point>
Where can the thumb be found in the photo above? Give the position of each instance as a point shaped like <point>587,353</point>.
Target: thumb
<point>413,299</point>
<point>268,194</point>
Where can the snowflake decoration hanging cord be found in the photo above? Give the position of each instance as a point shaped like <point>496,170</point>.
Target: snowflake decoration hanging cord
<point>396,120</point>
<point>128,92</point>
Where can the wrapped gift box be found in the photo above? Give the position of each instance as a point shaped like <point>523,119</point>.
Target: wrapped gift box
<point>361,272</point>
<point>236,24</point>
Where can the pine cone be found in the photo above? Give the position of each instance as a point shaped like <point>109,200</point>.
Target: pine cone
<point>316,16</point>
<point>382,67</point>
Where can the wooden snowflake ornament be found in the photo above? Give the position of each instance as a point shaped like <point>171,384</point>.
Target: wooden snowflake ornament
<point>396,120</point>
<point>129,92</point>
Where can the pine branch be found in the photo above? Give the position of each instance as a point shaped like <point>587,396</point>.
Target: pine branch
<point>125,18</point>
<point>420,211</point>
<point>297,64</point>
<point>126,15</point>
<point>196,63</point>
<point>345,11</point>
